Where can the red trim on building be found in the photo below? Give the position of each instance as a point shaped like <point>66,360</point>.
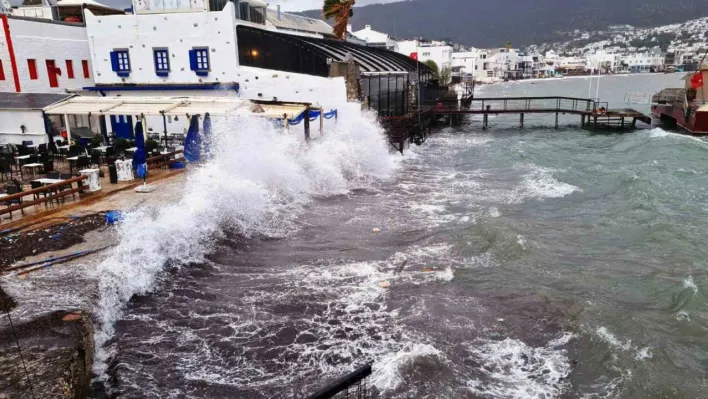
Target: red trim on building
<point>69,69</point>
<point>85,66</point>
<point>2,71</point>
<point>11,50</point>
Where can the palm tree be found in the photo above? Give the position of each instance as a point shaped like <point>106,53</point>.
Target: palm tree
<point>341,11</point>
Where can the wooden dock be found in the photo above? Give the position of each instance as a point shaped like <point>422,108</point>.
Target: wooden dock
<point>593,114</point>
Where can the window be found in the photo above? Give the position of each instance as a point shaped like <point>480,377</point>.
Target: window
<point>484,56</point>
<point>162,62</point>
<point>199,61</point>
<point>426,54</point>
<point>69,69</point>
<point>85,67</point>
<point>120,62</point>
<point>2,71</point>
<point>52,73</point>
<point>32,66</point>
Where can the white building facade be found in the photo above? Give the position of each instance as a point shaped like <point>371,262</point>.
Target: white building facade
<point>43,56</point>
<point>375,38</point>
<point>438,52</point>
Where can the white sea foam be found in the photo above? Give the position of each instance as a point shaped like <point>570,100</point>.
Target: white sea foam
<point>387,370</point>
<point>611,339</point>
<point>540,183</point>
<point>661,133</point>
<point>688,283</point>
<point>513,369</point>
<point>256,183</point>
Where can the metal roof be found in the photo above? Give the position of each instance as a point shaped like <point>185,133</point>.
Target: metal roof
<point>370,59</point>
<point>29,101</point>
<point>298,23</point>
<point>155,106</point>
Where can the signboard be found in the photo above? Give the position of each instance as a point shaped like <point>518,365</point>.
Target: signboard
<point>162,6</point>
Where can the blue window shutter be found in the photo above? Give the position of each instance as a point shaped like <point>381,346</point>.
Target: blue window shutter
<point>114,61</point>
<point>193,60</point>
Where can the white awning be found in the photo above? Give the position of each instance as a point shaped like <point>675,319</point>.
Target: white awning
<point>156,106</point>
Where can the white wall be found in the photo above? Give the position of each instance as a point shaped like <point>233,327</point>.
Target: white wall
<point>178,32</point>
<point>43,40</point>
<point>371,36</point>
<point>10,131</point>
<point>441,54</point>
<point>468,60</point>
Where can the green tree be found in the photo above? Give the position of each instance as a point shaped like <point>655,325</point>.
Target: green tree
<point>445,76</point>
<point>341,11</point>
<point>432,65</point>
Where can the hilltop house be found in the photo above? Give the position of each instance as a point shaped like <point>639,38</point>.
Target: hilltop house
<point>376,39</point>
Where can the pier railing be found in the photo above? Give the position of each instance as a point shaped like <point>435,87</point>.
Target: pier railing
<point>493,105</point>
<point>353,385</point>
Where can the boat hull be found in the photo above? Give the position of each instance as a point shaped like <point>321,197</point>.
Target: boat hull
<point>696,123</point>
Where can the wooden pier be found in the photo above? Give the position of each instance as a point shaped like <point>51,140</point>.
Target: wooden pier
<point>593,114</point>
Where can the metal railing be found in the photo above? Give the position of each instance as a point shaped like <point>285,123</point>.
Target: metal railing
<point>353,385</point>
<point>529,104</point>
<point>53,189</point>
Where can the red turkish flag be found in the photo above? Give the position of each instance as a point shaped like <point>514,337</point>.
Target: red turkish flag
<point>414,56</point>
<point>697,80</point>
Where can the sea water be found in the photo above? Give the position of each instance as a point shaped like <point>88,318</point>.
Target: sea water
<point>521,263</point>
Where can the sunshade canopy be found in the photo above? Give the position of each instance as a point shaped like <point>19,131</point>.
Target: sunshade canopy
<point>155,106</point>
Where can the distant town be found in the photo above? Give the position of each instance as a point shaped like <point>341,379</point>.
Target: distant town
<point>620,49</point>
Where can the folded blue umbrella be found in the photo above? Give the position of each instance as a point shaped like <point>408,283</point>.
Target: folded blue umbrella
<point>140,156</point>
<point>192,152</point>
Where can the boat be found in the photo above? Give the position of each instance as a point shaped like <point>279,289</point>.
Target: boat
<point>685,107</point>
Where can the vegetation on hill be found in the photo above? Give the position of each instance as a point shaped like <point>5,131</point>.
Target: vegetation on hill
<point>493,23</point>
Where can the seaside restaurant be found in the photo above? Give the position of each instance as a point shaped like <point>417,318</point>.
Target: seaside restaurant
<point>284,114</point>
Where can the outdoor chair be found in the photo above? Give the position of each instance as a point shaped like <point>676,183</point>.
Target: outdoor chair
<point>96,158</point>
<point>53,175</point>
<point>66,176</point>
<point>83,163</point>
<point>35,184</point>
<point>43,148</point>
<point>48,166</point>
<point>27,142</point>
<point>5,169</point>
<point>12,189</point>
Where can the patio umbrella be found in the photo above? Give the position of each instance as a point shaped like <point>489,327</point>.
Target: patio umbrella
<point>192,142</point>
<point>206,146</point>
<point>139,157</point>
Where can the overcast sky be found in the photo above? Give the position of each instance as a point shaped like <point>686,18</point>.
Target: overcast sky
<point>287,5</point>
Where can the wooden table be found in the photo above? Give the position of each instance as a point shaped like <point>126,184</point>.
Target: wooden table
<point>33,166</point>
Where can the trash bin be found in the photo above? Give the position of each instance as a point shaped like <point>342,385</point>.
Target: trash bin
<point>113,173</point>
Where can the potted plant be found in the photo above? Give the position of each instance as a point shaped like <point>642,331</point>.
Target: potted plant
<point>150,145</point>
<point>96,141</point>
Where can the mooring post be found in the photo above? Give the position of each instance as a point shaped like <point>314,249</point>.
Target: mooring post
<point>556,120</point>
<point>522,120</point>
<point>623,122</point>
<point>595,121</point>
<point>307,123</point>
<point>484,122</point>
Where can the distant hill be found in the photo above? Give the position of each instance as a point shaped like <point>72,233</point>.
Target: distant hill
<point>493,23</point>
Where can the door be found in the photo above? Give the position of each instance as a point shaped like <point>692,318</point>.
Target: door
<point>53,72</point>
<point>122,126</point>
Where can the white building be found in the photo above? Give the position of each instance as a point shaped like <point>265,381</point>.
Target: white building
<point>467,61</point>
<point>43,56</point>
<point>437,51</point>
<point>643,63</point>
<point>375,38</point>
<point>296,24</point>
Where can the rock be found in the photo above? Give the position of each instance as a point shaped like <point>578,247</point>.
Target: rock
<point>376,230</point>
<point>384,284</point>
<point>58,355</point>
<point>428,269</point>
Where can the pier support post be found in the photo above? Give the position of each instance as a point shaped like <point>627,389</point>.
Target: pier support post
<point>595,122</point>
<point>521,118</point>
<point>307,123</point>
<point>485,121</point>
<point>556,120</point>
<point>582,121</point>
<point>622,122</point>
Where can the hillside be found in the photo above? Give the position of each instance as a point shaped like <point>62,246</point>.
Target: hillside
<point>493,23</point>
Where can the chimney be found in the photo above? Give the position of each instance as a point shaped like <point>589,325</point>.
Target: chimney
<point>278,12</point>
<point>368,27</point>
